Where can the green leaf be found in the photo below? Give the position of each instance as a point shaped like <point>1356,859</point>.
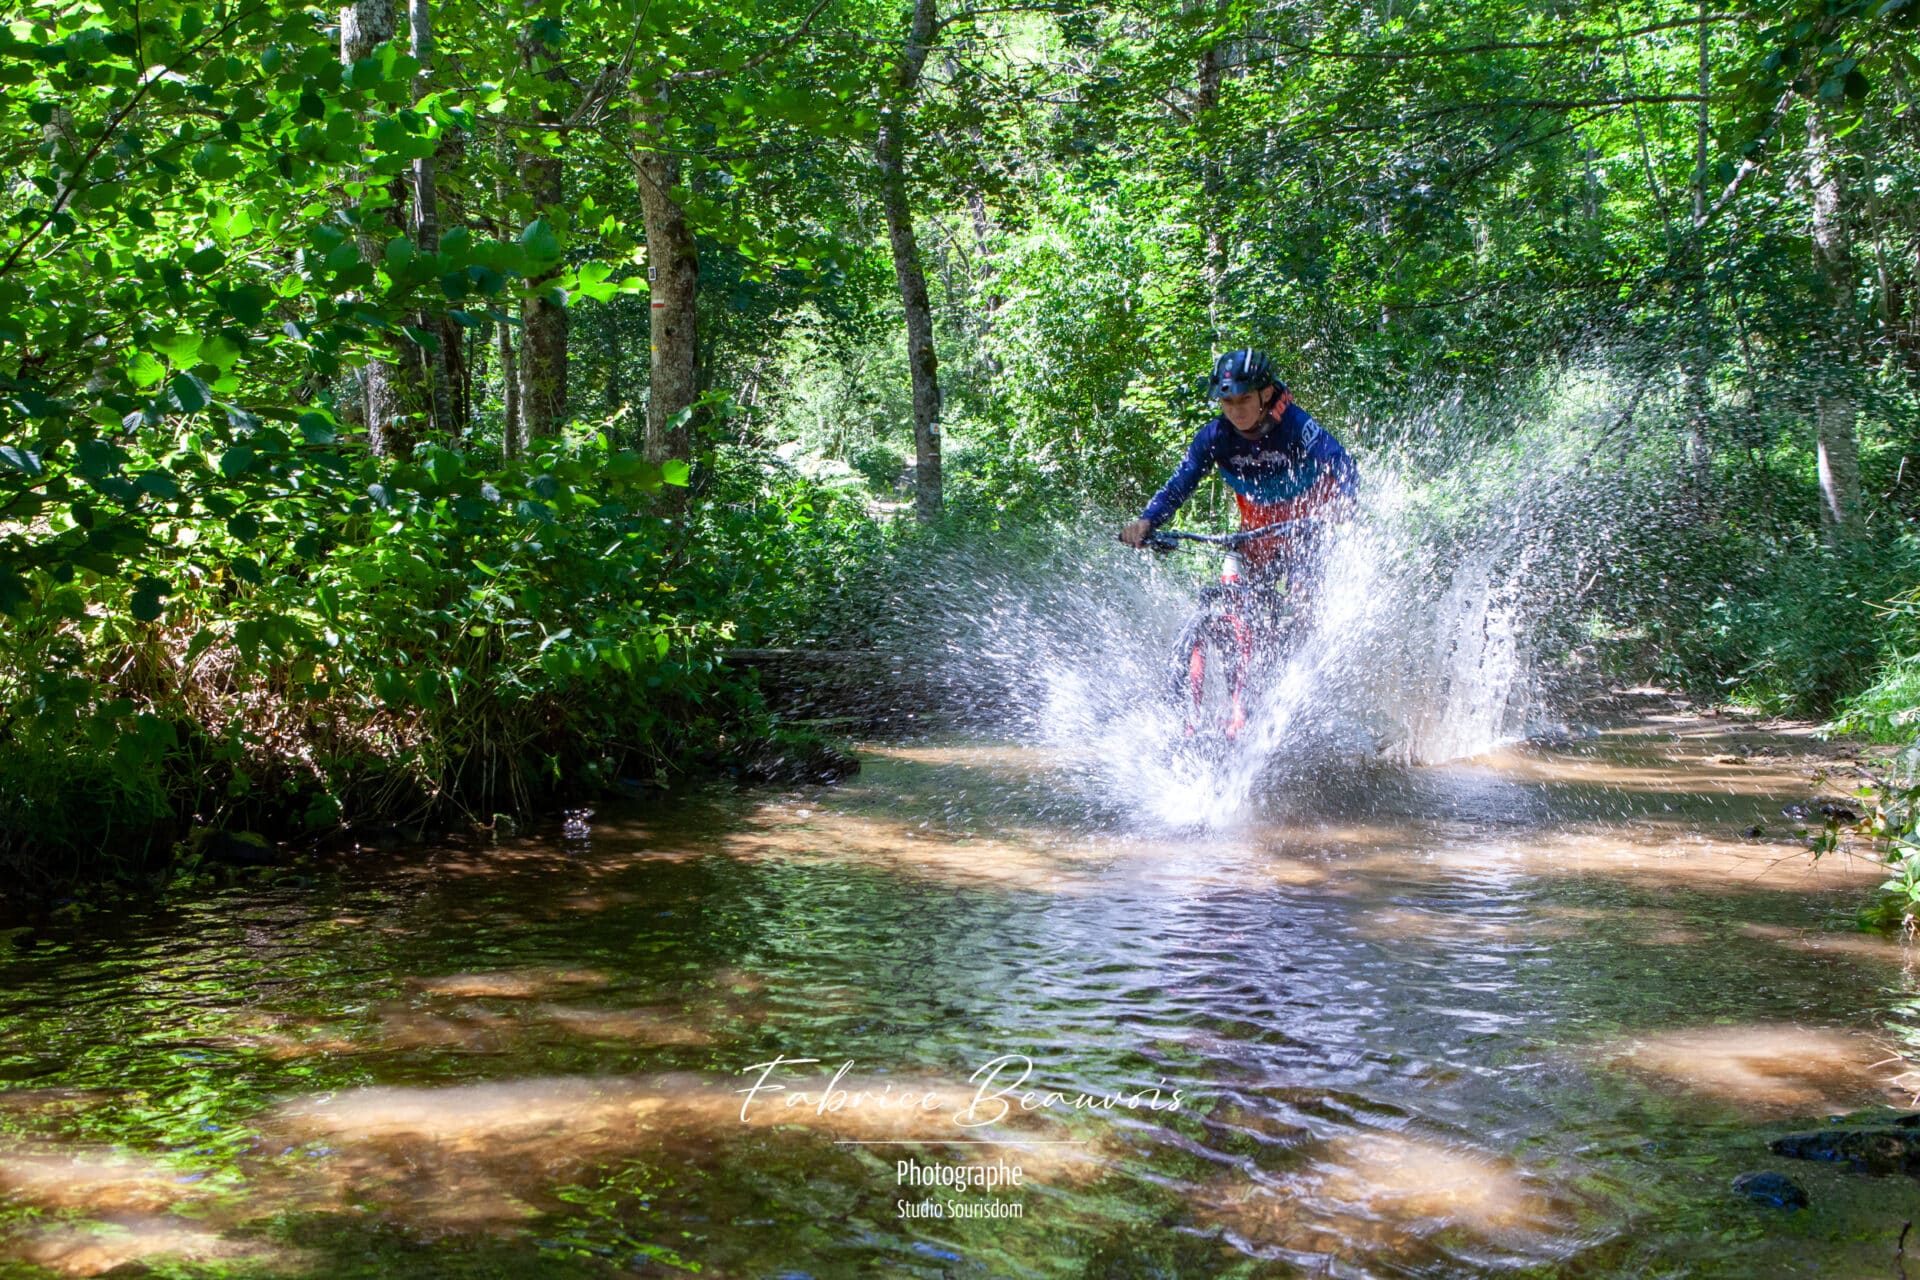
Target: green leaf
<point>235,461</point>
<point>96,458</point>
<point>246,569</point>
<point>247,304</point>
<point>103,195</point>
<point>20,459</point>
<point>392,686</point>
<point>541,243</point>
<point>389,134</point>
<point>181,348</point>
<point>144,370</point>
<point>674,471</point>
<point>220,351</point>
<point>190,392</point>
<point>317,428</point>
<point>202,641</point>
<point>160,484</point>
<point>147,594</point>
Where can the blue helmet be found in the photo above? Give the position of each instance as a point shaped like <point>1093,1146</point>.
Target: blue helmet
<point>1238,372</point>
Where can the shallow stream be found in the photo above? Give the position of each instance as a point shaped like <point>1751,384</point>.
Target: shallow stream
<point>1528,1014</point>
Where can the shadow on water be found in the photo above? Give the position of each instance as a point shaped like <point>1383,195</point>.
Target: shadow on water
<point>1527,1014</point>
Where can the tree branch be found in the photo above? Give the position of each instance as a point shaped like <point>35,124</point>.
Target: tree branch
<point>1493,46</point>
<point>1752,161</point>
<point>967,14</point>
<point>1523,104</point>
<point>780,46</point>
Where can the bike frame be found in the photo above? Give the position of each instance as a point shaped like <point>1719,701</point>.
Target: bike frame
<point>1221,623</point>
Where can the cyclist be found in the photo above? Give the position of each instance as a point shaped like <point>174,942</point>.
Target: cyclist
<point>1279,462</point>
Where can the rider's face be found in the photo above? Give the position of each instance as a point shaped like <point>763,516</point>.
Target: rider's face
<point>1244,412</point>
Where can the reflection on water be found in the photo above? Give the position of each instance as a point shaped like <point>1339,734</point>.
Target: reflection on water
<point>1526,1013</point>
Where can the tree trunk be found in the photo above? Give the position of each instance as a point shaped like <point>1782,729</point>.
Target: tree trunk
<point>426,232</point>
<point>1699,456</point>
<point>512,430</point>
<point>1837,449</point>
<point>543,344</point>
<point>511,434</point>
<point>889,149</point>
<point>1214,269</point>
<point>364,25</point>
<point>988,298</point>
<point>673,278</point>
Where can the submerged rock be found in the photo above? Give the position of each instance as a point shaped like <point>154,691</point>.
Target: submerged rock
<point>1768,1187</point>
<point>1890,1148</point>
<point>1836,811</point>
<point>232,848</point>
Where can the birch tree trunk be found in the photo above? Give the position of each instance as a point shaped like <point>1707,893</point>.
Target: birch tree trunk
<point>890,152</point>
<point>1699,457</point>
<point>1214,270</point>
<point>365,24</point>
<point>673,277</point>
<point>512,437</point>
<point>426,231</point>
<point>1836,448</point>
<point>512,430</point>
<point>543,321</point>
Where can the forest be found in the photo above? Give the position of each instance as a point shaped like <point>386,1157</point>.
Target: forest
<point>409,408</point>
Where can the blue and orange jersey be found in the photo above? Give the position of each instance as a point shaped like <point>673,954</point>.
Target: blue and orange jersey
<point>1292,471</point>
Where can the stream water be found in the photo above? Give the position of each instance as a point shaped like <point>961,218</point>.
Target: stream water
<point>1528,1014</point>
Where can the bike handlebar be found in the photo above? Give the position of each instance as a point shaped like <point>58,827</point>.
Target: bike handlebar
<point>1168,539</point>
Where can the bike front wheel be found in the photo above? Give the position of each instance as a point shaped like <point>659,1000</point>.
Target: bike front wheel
<point>1208,676</point>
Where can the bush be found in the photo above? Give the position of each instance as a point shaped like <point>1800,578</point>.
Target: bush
<point>414,641</point>
<point>1809,631</point>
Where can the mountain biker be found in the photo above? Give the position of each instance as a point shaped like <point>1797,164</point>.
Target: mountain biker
<point>1279,462</point>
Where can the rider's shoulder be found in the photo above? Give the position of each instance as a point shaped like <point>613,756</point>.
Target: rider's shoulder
<point>1215,430</point>
<point>1304,424</point>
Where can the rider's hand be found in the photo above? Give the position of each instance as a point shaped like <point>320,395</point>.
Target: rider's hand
<point>1135,533</point>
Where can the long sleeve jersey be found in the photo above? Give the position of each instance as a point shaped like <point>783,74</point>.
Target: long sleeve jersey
<point>1291,471</point>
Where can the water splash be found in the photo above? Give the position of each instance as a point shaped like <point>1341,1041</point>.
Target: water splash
<point>1400,663</point>
<point>1070,645</point>
<point>1426,646</point>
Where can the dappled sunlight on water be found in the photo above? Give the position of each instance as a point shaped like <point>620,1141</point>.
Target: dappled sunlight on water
<point>100,1248</point>
<point>1519,1012</point>
<point>101,1179</point>
<point>519,984</point>
<point>900,846</point>
<point>1381,1191</point>
<point>1766,1069</point>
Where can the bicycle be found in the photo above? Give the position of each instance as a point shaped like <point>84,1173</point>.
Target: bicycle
<point>1238,628</point>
